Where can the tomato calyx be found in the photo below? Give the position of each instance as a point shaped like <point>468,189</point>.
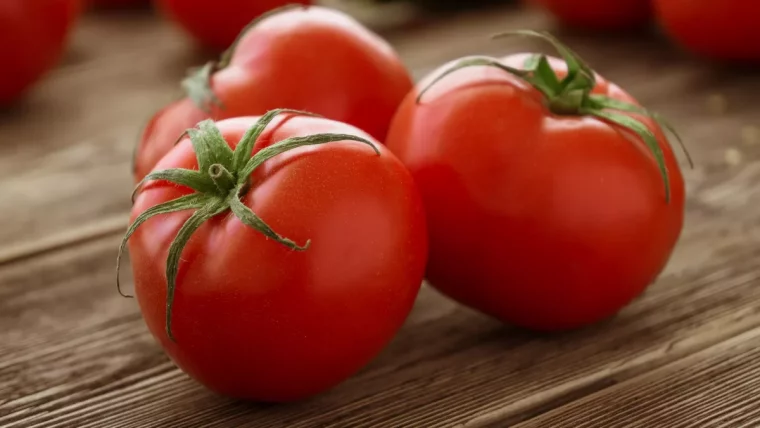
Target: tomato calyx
<point>222,178</point>
<point>197,84</point>
<point>572,95</point>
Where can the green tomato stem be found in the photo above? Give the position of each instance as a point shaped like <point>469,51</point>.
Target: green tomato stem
<point>572,95</point>
<point>223,177</point>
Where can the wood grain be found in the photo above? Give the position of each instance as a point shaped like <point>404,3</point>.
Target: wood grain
<point>714,388</point>
<point>72,353</point>
<point>65,152</point>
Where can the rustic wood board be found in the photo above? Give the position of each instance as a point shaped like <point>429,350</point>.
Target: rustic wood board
<point>66,150</point>
<point>714,388</point>
<point>72,353</point>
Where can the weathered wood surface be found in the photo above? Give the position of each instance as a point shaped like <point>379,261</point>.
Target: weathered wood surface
<point>72,353</point>
<point>717,387</point>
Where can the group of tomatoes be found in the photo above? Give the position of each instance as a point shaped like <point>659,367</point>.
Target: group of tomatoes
<point>289,207</point>
<point>720,29</point>
<point>34,33</point>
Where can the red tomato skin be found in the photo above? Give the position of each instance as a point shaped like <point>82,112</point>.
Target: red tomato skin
<point>216,24</point>
<point>720,29</point>
<point>317,59</point>
<point>255,320</point>
<point>33,34</point>
<point>599,14</point>
<point>545,222</point>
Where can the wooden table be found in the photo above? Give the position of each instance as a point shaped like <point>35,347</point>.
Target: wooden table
<point>73,353</point>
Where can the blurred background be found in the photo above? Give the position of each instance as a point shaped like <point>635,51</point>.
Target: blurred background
<point>81,79</point>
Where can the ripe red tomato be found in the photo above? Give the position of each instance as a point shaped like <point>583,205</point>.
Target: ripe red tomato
<point>33,34</point>
<point>217,23</point>
<point>251,317</point>
<point>722,29</point>
<point>313,59</point>
<point>539,213</point>
<point>600,14</point>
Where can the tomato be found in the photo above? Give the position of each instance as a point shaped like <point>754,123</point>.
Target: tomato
<point>540,213</point>
<point>313,59</point>
<point>722,29</point>
<point>264,317</point>
<point>600,14</point>
<point>217,23</point>
<point>33,34</point>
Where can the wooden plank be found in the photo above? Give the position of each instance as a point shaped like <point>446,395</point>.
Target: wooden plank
<point>66,150</point>
<point>124,67</point>
<point>72,353</point>
<point>714,388</point>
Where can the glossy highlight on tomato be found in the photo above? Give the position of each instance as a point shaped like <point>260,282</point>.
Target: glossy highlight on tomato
<point>549,213</point>
<point>286,306</point>
<point>314,59</point>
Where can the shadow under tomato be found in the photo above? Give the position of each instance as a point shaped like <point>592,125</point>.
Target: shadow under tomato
<point>26,108</point>
<point>458,348</point>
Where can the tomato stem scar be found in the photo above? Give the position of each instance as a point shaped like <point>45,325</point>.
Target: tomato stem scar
<point>223,179</point>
